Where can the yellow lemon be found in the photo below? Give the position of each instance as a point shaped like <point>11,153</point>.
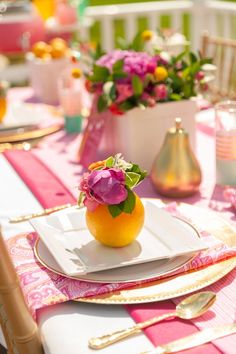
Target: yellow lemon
<point>160,73</point>
<point>119,231</point>
<point>147,35</point>
<point>3,107</point>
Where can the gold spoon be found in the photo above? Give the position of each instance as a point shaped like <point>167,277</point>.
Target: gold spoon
<point>191,307</point>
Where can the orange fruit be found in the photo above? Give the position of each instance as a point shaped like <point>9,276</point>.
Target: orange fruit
<point>3,108</point>
<point>119,231</point>
<point>40,49</point>
<point>59,48</point>
<point>58,41</point>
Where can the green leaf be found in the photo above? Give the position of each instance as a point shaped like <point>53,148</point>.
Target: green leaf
<point>110,161</point>
<point>132,179</point>
<point>127,105</point>
<point>100,74</point>
<point>129,202</point>
<point>187,90</point>
<point>192,57</point>
<point>135,168</point>
<point>137,43</point>
<point>175,97</point>
<point>122,44</point>
<point>137,85</point>
<point>119,75</point>
<point>118,65</point>
<point>177,82</point>
<point>115,210</point>
<point>99,52</point>
<point>102,103</point>
<point>195,68</point>
<point>206,61</point>
<point>186,72</point>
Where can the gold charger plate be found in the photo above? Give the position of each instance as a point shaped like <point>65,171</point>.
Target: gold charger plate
<point>181,284</point>
<point>26,135</point>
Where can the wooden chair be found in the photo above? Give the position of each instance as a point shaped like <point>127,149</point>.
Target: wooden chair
<point>19,329</point>
<point>223,53</point>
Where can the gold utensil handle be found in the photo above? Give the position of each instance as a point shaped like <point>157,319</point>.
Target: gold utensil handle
<point>194,340</point>
<point>107,339</point>
<point>41,213</point>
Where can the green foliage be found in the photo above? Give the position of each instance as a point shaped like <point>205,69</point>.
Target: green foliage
<point>137,85</point>
<point>127,206</point>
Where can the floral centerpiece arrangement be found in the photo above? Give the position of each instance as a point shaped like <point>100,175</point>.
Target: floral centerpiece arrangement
<point>135,77</point>
<point>114,214</point>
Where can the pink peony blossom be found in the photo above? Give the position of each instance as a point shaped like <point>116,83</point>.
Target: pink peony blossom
<point>106,186</point>
<point>161,92</point>
<point>136,63</point>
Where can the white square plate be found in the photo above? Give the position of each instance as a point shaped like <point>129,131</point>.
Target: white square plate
<point>77,253</point>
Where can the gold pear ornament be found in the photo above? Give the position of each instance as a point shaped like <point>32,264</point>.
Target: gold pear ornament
<point>176,171</point>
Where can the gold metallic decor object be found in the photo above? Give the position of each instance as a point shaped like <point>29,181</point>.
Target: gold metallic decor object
<point>176,171</point>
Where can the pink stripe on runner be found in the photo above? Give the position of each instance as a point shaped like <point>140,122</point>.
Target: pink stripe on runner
<point>50,191</point>
<point>167,330</point>
<point>42,182</point>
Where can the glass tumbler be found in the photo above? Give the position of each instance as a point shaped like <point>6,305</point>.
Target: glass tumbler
<point>225,134</point>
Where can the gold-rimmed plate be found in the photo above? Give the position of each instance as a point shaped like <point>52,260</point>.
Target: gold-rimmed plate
<point>26,135</point>
<point>134,263</point>
<point>181,284</point>
<point>25,121</point>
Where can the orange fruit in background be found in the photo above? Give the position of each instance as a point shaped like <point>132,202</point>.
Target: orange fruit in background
<point>59,48</point>
<point>56,41</point>
<point>3,107</point>
<point>40,49</point>
<point>119,231</point>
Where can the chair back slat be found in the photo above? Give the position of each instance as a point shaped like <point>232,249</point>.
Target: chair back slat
<point>222,51</point>
<point>22,337</point>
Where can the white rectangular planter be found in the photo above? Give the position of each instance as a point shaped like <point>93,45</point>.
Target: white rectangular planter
<point>43,75</point>
<point>139,134</point>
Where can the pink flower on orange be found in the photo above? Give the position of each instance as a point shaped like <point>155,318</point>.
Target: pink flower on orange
<point>106,186</point>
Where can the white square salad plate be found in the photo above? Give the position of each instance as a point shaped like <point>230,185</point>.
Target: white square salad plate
<point>77,253</point>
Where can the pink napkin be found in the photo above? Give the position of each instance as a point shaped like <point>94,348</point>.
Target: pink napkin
<point>167,330</point>
<point>42,287</point>
<point>43,183</point>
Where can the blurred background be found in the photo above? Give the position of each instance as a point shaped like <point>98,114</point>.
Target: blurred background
<point>24,23</point>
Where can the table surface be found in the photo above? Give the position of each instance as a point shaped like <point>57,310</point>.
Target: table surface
<point>66,328</point>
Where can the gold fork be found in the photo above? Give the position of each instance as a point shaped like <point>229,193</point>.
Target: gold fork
<point>41,213</point>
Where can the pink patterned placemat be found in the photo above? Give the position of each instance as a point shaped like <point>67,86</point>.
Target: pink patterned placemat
<point>43,287</point>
